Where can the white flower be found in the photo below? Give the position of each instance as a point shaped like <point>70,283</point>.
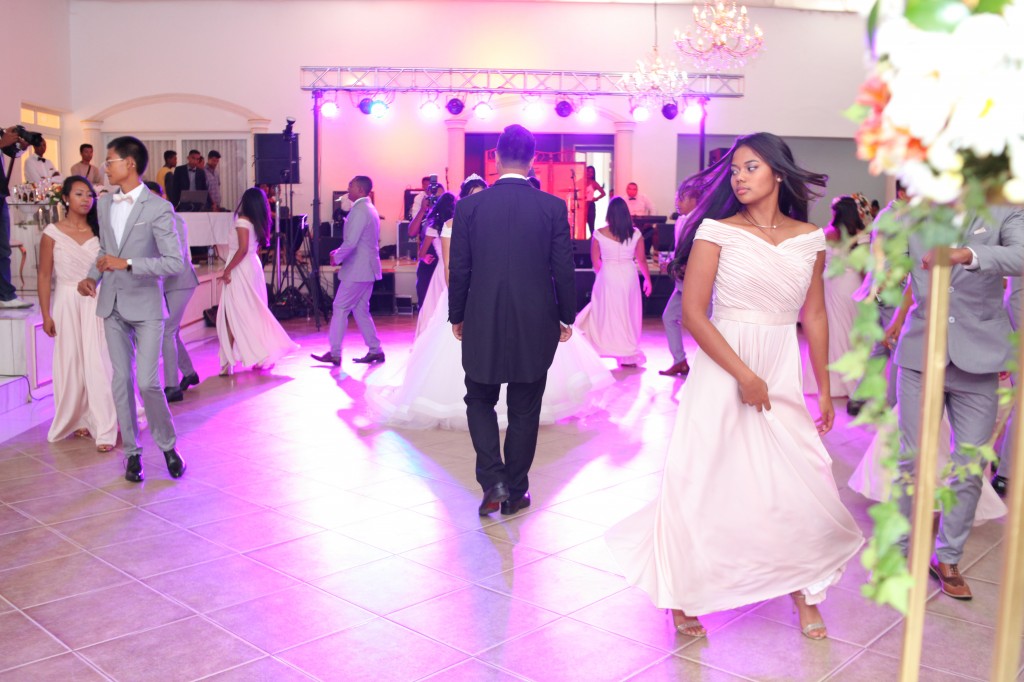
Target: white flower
<point>943,155</point>
<point>1013,190</point>
<point>920,180</point>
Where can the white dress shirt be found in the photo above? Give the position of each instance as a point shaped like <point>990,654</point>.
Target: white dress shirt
<point>120,210</point>
<point>639,205</point>
<point>38,169</point>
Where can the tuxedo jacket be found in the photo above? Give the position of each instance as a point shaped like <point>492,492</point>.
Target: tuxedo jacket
<point>979,326</point>
<point>179,183</point>
<point>512,281</point>
<point>151,241</point>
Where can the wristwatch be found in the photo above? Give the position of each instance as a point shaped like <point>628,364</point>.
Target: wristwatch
<point>129,261</point>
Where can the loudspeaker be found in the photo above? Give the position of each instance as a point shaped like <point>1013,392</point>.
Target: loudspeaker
<point>581,254</point>
<point>584,286</point>
<point>272,153</point>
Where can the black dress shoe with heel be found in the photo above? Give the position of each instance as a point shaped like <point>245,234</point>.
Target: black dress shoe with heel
<point>133,469</point>
<point>189,380</point>
<point>370,358</point>
<point>1001,484</point>
<point>493,499</point>
<point>174,394</point>
<point>175,464</point>
<point>510,507</point>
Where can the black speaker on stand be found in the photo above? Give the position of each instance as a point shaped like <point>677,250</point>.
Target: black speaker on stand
<point>274,154</point>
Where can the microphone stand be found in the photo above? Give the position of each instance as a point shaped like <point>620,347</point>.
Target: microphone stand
<point>575,199</point>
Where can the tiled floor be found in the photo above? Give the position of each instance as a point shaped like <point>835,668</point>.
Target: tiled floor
<point>305,541</point>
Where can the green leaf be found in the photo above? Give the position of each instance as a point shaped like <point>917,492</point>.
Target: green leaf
<point>873,24</point>
<point>991,6</point>
<point>857,113</point>
<point>936,15</point>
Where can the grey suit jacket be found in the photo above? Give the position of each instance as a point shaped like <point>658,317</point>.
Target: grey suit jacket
<point>359,253</point>
<point>151,241</point>
<point>978,324</point>
<point>186,279</point>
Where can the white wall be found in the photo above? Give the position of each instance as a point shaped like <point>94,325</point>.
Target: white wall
<point>806,76</point>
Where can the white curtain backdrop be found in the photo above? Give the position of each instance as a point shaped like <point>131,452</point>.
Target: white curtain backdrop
<point>233,155</point>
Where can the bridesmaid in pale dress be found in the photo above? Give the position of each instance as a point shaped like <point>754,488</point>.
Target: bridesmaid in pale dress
<point>82,395</point>
<point>247,331</point>
<point>614,316</point>
<point>439,215</point>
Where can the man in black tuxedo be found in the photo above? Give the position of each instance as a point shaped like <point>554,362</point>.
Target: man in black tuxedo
<point>188,177</point>
<point>512,299</point>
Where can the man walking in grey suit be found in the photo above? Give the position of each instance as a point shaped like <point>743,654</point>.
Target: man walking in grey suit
<point>359,261</point>
<point>178,290</point>
<point>138,247</point>
<point>978,348</point>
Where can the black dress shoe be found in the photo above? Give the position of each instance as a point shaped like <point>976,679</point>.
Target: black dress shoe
<point>1001,484</point>
<point>370,358</point>
<point>189,380</point>
<point>510,507</point>
<point>175,464</point>
<point>853,407</point>
<point>328,358</point>
<point>174,394</point>
<point>133,469</point>
<point>493,497</point>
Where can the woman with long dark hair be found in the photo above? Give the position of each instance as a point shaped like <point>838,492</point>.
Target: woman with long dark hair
<point>83,399</point>
<point>612,319</point>
<point>247,331</point>
<point>748,509</point>
<point>440,214</point>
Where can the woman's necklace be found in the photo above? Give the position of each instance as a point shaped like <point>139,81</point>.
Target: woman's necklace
<point>80,229</point>
<point>746,216</point>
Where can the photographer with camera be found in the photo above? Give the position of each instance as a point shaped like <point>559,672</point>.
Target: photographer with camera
<point>12,143</point>
<point>432,190</point>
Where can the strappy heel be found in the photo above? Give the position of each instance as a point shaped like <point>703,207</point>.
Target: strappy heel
<point>691,627</point>
<point>811,629</point>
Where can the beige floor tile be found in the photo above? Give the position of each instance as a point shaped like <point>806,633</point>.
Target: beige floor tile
<point>761,649</point>
<point>400,531</point>
<point>872,666</point>
<point>848,616</point>
<point>544,531</point>
<point>982,609</point>
<point>20,467</point>
<point>290,617</point>
<point>262,670</point>
<point>219,583</point>
<point>56,579</point>
<point>556,584</point>
<point>604,508</point>
<point>155,489</point>
<point>593,553</point>
<point>33,545</point>
<point>461,512</point>
<point>46,485</point>
<point>193,511</point>
<point>336,510</point>
<point>22,641</point>
<point>409,655</point>
<point>953,646</point>
<point>988,567</point>
<point>410,491</point>
<point>674,669</point>
<point>389,584</point>
<point>200,649</point>
<point>95,617</point>
<point>473,556</point>
<point>252,531</point>
<point>473,619</point>
<point>570,650</point>
<point>316,556</point>
<point>159,553</point>
<point>352,473</point>
<point>283,490</point>
<point>49,510</point>
<point>65,667</point>
<point>113,527</point>
<point>12,520</point>
<point>472,670</point>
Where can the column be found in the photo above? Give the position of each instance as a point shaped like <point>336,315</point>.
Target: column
<point>256,127</point>
<point>456,151</point>
<point>622,156</point>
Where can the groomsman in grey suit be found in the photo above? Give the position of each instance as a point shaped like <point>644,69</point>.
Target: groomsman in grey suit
<point>978,349</point>
<point>178,290</point>
<point>359,261</point>
<point>138,247</point>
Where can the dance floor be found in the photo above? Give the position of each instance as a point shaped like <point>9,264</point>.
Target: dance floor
<point>306,542</point>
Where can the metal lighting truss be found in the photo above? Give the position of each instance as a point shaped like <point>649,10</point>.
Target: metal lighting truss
<point>375,80</point>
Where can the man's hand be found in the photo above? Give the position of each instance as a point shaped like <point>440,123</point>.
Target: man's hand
<point>457,330</point>
<point>334,259</point>
<point>961,256</point>
<point>87,287</point>
<point>565,334</point>
<point>109,263</point>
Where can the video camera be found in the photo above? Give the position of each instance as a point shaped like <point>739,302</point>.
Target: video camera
<point>34,139</point>
<point>432,188</point>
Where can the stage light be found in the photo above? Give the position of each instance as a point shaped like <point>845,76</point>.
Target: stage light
<point>329,109</point>
<point>670,110</point>
<point>641,112</point>
<point>378,108</point>
<point>534,110</point>
<point>455,106</point>
<point>483,110</point>
<point>693,113</point>
<point>564,108</point>
<point>364,105</point>
<point>430,109</point>
<point>588,112</point>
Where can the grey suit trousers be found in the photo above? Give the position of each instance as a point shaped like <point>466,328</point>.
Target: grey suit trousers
<point>352,297</point>
<point>125,339</point>
<point>971,405</point>
<point>175,354</point>
<point>672,318</point>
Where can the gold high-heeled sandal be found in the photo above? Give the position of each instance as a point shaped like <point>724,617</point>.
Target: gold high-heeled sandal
<point>810,629</point>
<point>688,626</point>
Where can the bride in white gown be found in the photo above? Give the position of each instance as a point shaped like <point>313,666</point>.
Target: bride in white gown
<point>428,391</point>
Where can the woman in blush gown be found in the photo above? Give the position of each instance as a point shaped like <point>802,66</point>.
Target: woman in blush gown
<point>429,390</point>
<point>614,316</point>
<point>247,331</point>
<point>850,215</point>
<point>748,508</point>
<point>440,215</point>
<point>83,400</point>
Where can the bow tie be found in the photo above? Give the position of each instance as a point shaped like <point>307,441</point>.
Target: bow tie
<point>41,159</point>
<point>120,196</point>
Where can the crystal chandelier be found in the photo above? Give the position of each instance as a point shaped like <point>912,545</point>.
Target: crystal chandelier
<point>655,80</point>
<point>722,38</point>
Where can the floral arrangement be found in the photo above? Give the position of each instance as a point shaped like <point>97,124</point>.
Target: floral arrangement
<point>943,111</point>
<point>53,195</point>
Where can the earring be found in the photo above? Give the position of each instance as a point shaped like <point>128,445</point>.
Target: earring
<point>778,179</point>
